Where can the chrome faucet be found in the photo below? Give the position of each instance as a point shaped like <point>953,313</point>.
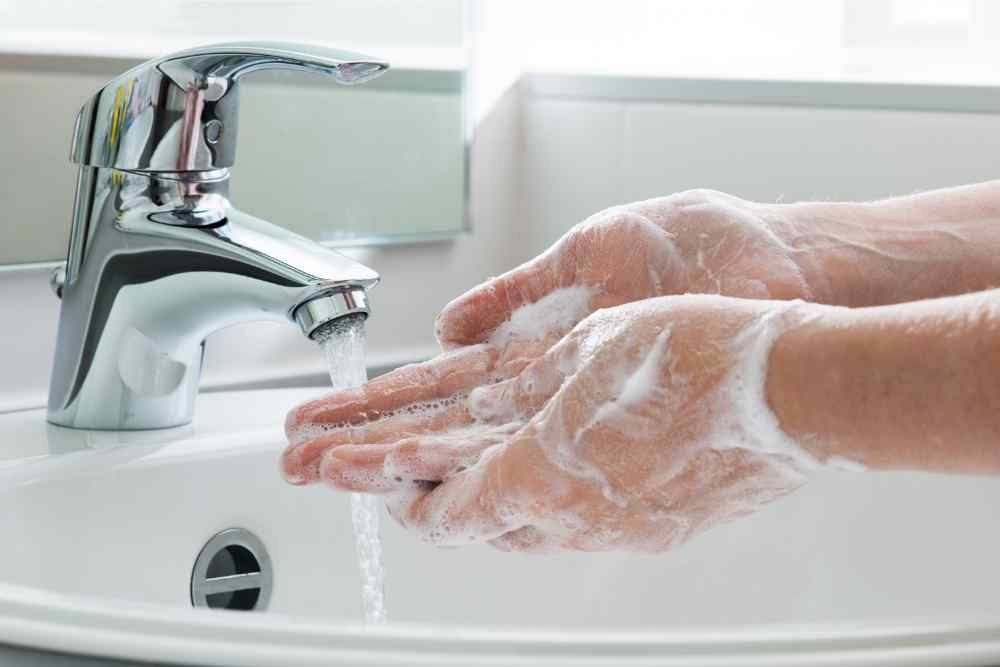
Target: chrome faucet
<point>159,258</point>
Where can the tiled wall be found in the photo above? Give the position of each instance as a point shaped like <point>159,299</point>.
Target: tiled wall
<point>583,155</point>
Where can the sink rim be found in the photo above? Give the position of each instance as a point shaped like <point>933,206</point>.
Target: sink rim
<point>82,625</point>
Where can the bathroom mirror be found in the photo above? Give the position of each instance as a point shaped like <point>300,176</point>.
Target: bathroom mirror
<point>383,162</point>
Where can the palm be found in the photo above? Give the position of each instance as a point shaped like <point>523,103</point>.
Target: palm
<point>698,242</point>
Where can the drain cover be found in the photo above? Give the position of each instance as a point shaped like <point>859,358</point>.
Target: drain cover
<point>233,571</point>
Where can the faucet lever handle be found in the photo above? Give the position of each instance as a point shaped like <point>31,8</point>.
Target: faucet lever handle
<point>180,112</point>
<point>232,60</point>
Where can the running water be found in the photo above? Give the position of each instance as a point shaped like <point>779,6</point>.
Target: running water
<point>343,343</point>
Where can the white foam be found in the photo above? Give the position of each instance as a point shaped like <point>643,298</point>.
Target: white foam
<point>640,384</point>
<point>630,391</point>
<point>556,312</point>
<point>745,420</point>
<point>312,430</point>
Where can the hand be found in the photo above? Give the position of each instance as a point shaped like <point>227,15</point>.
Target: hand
<point>699,241</point>
<point>643,426</point>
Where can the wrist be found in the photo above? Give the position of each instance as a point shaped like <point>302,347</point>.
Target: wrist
<point>798,384</point>
<point>884,252</point>
<point>906,386</point>
<point>845,256</point>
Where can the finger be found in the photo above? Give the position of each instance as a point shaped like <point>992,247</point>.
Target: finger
<point>357,468</point>
<point>471,506</point>
<point>435,457</point>
<point>471,318</point>
<point>519,398</point>
<point>423,385</point>
<point>380,468</point>
<point>300,462</point>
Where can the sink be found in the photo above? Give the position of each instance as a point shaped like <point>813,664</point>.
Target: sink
<point>101,531</point>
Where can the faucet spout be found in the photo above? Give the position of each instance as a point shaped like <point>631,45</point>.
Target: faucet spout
<point>159,258</point>
<point>158,263</point>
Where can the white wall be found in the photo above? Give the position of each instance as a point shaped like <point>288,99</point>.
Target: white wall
<point>859,40</point>
<point>582,155</point>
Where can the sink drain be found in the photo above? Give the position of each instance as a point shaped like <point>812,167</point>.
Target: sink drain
<point>233,571</point>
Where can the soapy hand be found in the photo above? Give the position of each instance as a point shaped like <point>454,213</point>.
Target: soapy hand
<point>644,425</point>
<point>698,241</point>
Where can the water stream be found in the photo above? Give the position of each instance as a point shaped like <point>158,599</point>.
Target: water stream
<point>343,344</point>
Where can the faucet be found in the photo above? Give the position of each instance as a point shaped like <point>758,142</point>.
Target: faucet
<point>158,257</point>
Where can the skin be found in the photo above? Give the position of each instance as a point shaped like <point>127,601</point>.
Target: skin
<point>906,387</point>
<point>533,447</point>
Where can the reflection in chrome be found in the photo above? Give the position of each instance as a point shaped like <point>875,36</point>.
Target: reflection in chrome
<point>159,258</point>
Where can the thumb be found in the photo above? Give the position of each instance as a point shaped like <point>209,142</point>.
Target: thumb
<point>472,317</point>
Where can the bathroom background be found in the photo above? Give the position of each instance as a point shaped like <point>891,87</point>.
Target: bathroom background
<point>502,124</point>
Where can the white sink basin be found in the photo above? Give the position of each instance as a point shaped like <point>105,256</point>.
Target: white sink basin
<point>100,532</point>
